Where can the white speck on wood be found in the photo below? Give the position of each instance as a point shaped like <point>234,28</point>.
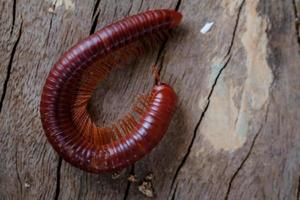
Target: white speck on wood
<point>206,27</point>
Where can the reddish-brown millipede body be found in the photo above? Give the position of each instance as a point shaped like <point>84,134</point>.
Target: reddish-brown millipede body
<point>69,87</point>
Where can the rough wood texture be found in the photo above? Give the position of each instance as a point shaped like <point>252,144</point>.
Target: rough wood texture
<point>235,132</point>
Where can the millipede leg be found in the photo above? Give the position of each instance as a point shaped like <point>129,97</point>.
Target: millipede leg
<point>127,125</point>
<point>143,100</point>
<point>124,127</point>
<point>138,110</point>
<point>159,37</point>
<point>104,134</point>
<point>116,131</point>
<point>129,122</point>
<point>156,75</point>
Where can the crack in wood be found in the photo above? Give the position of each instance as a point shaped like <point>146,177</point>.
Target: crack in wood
<point>9,67</point>
<point>235,27</point>
<point>228,57</point>
<point>115,13</point>
<point>198,123</point>
<point>178,5</point>
<point>94,25</point>
<point>80,189</point>
<point>160,55</point>
<point>247,155</point>
<point>174,193</point>
<point>96,8</point>
<point>298,189</point>
<point>141,4</point>
<point>17,169</point>
<point>297,22</point>
<point>130,8</point>
<point>50,25</point>
<point>128,184</point>
<point>57,190</point>
<point>48,35</point>
<point>13,17</point>
<point>242,164</point>
<point>95,17</point>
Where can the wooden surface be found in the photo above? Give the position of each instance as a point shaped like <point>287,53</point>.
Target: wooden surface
<point>235,134</point>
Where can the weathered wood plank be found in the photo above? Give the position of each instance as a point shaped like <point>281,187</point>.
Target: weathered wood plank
<point>234,135</point>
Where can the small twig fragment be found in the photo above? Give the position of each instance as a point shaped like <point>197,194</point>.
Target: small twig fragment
<point>132,178</point>
<point>146,188</point>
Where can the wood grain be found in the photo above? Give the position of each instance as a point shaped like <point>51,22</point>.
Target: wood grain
<point>234,134</point>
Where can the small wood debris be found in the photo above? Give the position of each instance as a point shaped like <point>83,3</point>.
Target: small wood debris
<point>26,185</point>
<point>149,177</point>
<point>146,188</point>
<point>115,175</point>
<point>207,27</point>
<point>132,178</point>
<point>118,174</point>
<point>51,9</point>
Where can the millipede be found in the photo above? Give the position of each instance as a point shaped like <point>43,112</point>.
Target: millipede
<point>70,85</point>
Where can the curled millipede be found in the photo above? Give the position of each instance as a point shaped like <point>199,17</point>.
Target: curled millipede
<point>74,77</point>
